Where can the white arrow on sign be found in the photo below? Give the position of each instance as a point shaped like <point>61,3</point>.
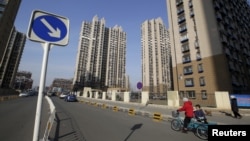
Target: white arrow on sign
<point>54,33</point>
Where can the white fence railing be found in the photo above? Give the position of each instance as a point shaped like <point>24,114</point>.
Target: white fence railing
<point>51,119</point>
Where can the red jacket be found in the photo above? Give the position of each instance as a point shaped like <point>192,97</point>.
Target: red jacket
<point>188,108</point>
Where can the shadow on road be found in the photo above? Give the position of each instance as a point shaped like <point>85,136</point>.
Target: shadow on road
<point>227,114</point>
<point>65,129</point>
<point>135,127</point>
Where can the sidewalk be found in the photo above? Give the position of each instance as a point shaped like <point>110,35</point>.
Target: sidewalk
<point>218,116</point>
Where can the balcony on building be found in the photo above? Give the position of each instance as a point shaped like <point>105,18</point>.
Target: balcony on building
<point>223,38</point>
<point>231,66</point>
<point>218,16</point>
<point>184,40</point>
<point>227,51</point>
<point>196,44</point>
<point>185,48</point>
<point>182,29</point>
<point>191,13</point>
<point>233,36</point>
<point>216,5</point>
<point>180,11</point>
<point>181,19</point>
<point>190,4</point>
<point>223,11</point>
<point>179,2</point>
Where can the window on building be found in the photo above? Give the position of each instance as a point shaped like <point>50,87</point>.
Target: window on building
<point>203,94</point>
<point>235,80</point>
<point>181,94</point>
<point>181,18</point>
<point>183,28</point>
<point>185,48</point>
<point>202,81</point>
<point>187,70</point>
<point>198,56</point>
<point>231,65</point>
<point>200,68</point>
<point>190,4</point>
<point>184,38</point>
<point>180,10</point>
<point>196,44</point>
<point>189,82</point>
<point>191,94</point>
<point>178,2</point>
<point>186,58</point>
<point>191,12</point>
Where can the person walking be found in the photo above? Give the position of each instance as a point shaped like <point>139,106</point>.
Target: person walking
<point>188,109</point>
<point>234,107</point>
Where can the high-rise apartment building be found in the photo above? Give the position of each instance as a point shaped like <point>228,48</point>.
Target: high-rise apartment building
<point>156,62</point>
<point>210,46</point>
<point>11,59</point>
<point>101,56</point>
<point>116,58</point>
<point>8,12</point>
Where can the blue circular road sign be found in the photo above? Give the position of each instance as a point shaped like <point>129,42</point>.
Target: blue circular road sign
<point>49,28</point>
<point>139,85</point>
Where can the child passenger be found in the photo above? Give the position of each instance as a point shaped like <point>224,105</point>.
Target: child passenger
<point>199,114</point>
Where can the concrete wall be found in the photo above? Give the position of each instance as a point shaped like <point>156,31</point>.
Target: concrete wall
<point>126,97</point>
<point>86,91</point>
<point>222,100</point>
<point>144,97</point>
<point>173,99</point>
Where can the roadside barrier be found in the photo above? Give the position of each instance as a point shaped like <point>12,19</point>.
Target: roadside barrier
<point>131,111</point>
<point>157,117</point>
<point>5,98</point>
<point>94,103</point>
<point>115,108</point>
<point>104,106</point>
<point>51,119</point>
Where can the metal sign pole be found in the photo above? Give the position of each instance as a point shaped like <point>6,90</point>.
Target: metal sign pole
<point>46,49</point>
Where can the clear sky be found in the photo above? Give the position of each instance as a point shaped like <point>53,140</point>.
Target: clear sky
<point>129,14</point>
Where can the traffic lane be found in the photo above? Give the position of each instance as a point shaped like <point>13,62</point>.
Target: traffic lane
<point>97,124</point>
<point>18,117</point>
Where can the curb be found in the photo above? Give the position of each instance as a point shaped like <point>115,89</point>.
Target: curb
<point>164,117</point>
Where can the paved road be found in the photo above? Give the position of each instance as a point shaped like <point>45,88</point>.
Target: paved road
<point>18,117</point>
<point>89,121</point>
<point>77,121</point>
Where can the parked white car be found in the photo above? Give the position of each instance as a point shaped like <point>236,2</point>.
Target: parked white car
<point>63,95</point>
<point>23,94</point>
